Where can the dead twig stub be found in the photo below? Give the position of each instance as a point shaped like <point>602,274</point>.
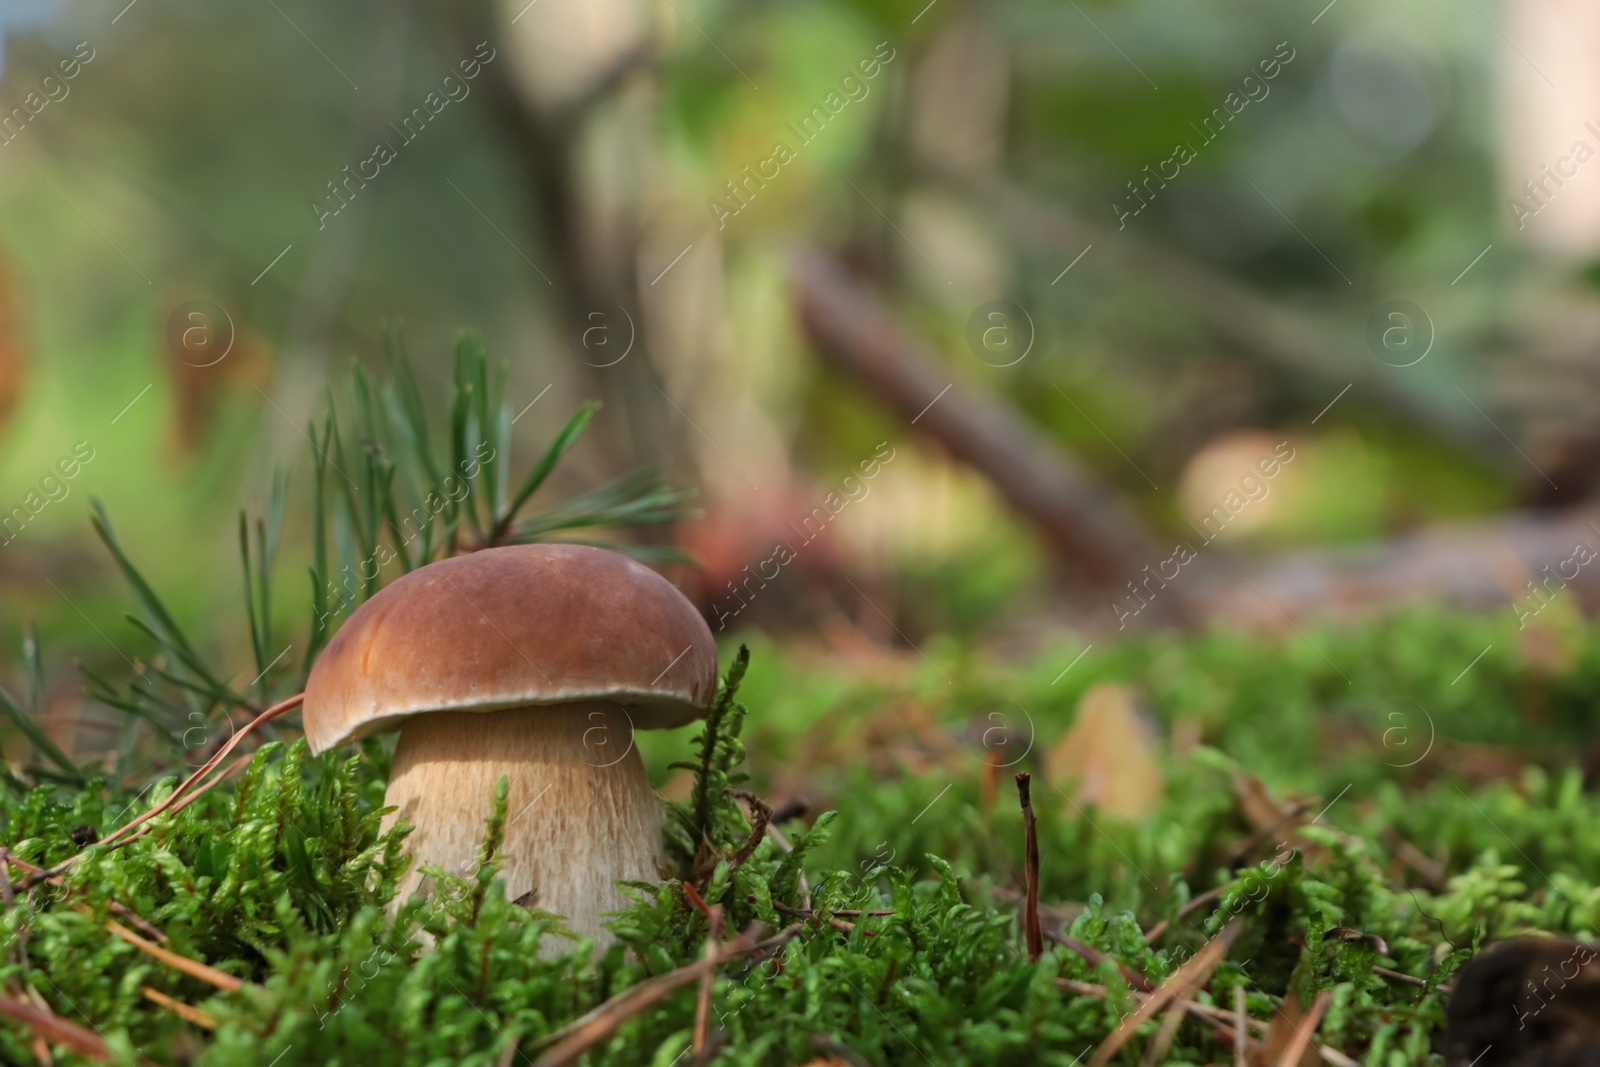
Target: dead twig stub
<point>989,789</point>
<point>1033,933</point>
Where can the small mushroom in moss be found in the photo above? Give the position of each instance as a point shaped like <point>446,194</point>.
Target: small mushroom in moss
<point>534,663</point>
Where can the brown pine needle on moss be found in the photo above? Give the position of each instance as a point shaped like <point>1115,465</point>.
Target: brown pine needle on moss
<point>1302,1032</point>
<point>193,968</point>
<point>702,1008</point>
<point>1156,1053</point>
<point>1219,1019</point>
<point>1194,974</point>
<point>1131,976</point>
<point>187,1012</point>
<point>1240,1037</point>
<point>574,1039</point>
<point>8,859</point>
<point>180,798</point>
<point>1152,935</point>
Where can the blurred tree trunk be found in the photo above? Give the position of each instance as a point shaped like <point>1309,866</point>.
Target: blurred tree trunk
<point>586,90</point>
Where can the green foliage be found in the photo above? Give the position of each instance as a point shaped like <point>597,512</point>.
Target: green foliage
<point>720,753</point>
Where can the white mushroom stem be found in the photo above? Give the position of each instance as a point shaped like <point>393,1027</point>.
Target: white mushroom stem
<point>580,814</point>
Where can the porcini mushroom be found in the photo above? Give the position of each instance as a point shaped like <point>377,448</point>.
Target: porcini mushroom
<point>532,662</point>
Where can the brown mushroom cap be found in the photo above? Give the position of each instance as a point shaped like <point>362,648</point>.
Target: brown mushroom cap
<point>514,627</point>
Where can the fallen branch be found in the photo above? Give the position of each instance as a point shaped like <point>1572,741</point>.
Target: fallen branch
<point>1465,565</point>
<point>1090,527</point>
<point>1474,565</point>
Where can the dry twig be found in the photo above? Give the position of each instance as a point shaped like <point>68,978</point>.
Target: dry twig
<point>1156,1053</point>
<point>846,913</point>
<point>783,843</point>
<point>277,710</point>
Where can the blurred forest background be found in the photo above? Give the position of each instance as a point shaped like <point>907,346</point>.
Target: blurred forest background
<point>980,250</point>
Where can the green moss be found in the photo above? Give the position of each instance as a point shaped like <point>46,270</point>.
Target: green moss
<point>283,880</point>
